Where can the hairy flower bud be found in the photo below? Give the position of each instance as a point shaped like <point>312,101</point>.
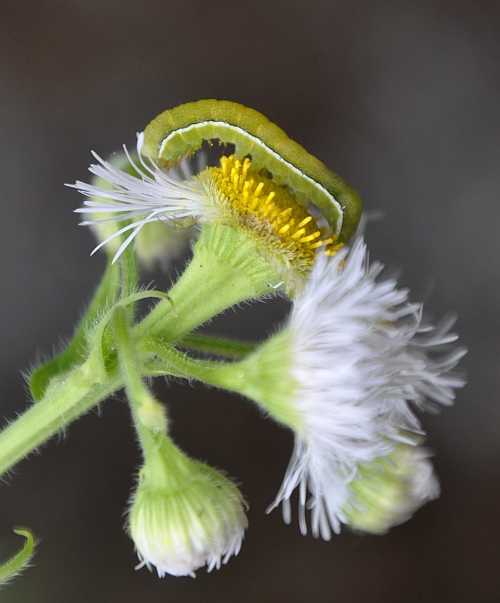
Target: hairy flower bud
<point>184,515</point>
<point>387,491</point>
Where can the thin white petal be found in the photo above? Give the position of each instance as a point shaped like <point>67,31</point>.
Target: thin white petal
<point>153,195</point>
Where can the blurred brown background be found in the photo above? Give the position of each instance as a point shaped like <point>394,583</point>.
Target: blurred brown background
<point>402,99</point>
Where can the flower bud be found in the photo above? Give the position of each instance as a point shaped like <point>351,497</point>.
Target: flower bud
<point>159,243</point>
<point>184,515</point>
<point>387,491</point>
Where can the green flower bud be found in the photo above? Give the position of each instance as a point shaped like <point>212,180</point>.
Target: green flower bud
<point>387,491</point>
<point>159,243</point>
<point>184,515</point>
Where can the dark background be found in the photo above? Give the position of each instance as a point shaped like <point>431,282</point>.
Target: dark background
<point>402,99</point>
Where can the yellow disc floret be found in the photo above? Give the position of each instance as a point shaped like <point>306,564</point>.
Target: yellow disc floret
<point>268,211</point>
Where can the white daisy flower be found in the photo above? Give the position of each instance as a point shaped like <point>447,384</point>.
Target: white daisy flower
<point>346,373</point>
<point>196,518</point>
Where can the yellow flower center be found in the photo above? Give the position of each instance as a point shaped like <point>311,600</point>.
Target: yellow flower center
<point>270,211</point>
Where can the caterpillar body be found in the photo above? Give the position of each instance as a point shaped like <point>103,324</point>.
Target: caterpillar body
<point>182,130</point>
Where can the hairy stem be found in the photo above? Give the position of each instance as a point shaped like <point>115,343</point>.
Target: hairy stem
<point>225,270</point>
<point>149,415</point>
<point>65,399</point>
<point>219,346</point>
<point>262,376</point>
<point>105,295</point>
<point>20,560</point>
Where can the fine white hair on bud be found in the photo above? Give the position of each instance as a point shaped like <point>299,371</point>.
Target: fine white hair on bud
<point>195,518</point>
<point>361,359</point>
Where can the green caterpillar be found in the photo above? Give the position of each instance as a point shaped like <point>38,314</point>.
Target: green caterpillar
<point>181,131</point>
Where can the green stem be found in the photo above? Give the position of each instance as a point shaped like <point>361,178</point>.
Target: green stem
<point>65,399</point>
<point>219,346</point>
<point>169,361</point>
<point>148,414</point>
<point>129,277</point>
<point>263,376</point>
<point>117,278</point>
<point>226,269</point>
<point>105,295</point>
<point>20,560</point>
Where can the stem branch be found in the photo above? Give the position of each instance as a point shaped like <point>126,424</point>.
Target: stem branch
<point>66,399</point>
